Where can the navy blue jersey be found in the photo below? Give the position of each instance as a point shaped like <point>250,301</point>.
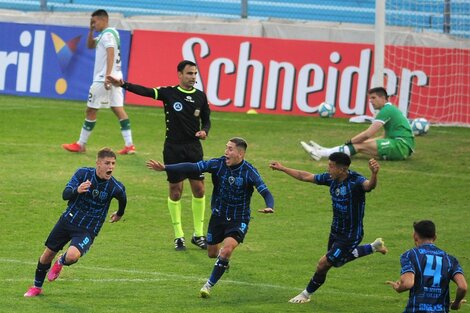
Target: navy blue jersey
<point>433,269</point>
<point>349,203</point>
<point>233,187</point>
<point>88,210</point>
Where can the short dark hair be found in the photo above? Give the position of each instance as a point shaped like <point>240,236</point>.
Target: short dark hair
<point>340,158</point>
<point>239,143</point>
<point>380,91</point>
<point>106,153</point>
<point>100,13</point>
<point>183,64</point>
<point>425,229</point>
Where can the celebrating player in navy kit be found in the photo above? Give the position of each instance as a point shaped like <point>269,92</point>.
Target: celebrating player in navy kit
<point>234,181</point>
<point>347,189</point>
<point>89,193</point>
<point>187,117</point>
<point>426,272</point>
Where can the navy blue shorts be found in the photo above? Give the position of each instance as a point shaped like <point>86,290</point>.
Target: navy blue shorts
<point>340,252</point>
<point>221,228</point>
<point>64,232</point>
<point>179,153</point>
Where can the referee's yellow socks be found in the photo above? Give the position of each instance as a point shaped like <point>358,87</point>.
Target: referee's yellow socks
<point>175,211</point>
<point>199,207</point>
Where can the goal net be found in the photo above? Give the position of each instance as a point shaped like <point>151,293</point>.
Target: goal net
<point>427,45</point>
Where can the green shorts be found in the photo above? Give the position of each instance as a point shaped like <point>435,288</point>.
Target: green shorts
<point>393,149</point>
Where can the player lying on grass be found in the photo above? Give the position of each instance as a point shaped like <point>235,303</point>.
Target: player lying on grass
<point>89,193</point>
<point>234,181</point>
<point>396,144</point>
<point>347,190</point>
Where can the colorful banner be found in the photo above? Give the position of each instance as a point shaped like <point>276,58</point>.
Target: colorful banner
<point>49,61</point>
<point>280,76</point>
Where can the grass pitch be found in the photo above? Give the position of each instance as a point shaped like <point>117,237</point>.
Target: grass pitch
<point>132,266</point>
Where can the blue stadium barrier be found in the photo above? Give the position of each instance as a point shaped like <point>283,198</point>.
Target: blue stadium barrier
<point>408,14</point>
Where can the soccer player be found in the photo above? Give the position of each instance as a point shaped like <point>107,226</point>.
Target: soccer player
<point>101,94</point>
<point>234,180</point>
<point>397,143</point>
<point>187,117</point>
<point>347,189</point>
<point>426,272</point>
<point>89,193</point>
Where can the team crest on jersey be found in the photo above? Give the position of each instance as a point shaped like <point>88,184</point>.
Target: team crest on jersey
<point>177,106</point>
<point>231,180</point>
<point>103,195</point>
<point>95,193</point>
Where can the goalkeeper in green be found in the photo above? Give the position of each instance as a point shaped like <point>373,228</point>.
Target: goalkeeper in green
<point>397,143</point>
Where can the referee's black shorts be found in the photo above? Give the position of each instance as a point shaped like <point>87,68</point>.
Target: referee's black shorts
<point>177,153</point>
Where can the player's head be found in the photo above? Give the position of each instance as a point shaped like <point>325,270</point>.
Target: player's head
<point>424,230</point>
<point>187,72</point>
<point>338,165</point>
<point>105,163</point>
<point>235,151</point>
<point>99,19</point>
<point>378,97</point>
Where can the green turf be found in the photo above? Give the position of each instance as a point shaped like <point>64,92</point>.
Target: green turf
<point>132,266</point>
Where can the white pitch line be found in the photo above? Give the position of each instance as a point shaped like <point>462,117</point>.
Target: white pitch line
<point>169,276</point>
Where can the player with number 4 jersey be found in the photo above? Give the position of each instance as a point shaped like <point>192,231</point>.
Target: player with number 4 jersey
<point>426,271</point>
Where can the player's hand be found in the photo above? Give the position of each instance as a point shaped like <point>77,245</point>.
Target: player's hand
<point>276,166</point>
<point>456,305</point>
<point>201,134</point>
<point>155,165</point>
<point>114,217</point>
<point>374,166</point>
<point>114,81</point>
<point>266,210</point>
<point>394,284</point>
<point>107,86</point>
<point>92,25</point>
<point>84,186</point>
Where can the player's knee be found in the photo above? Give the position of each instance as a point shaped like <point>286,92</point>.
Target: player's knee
<point>175,195</point>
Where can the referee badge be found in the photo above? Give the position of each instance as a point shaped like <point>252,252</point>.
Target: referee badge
<point>197,112</point>
<point>177,106</point>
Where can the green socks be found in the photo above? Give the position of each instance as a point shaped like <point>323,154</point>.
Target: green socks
<point>199,207</point>
<point>175,211</point>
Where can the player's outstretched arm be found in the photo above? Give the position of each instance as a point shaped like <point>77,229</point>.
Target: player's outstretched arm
<point>297,174</point>
<point>155,165</point>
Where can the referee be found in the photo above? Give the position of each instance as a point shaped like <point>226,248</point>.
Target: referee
<point>187,117</point>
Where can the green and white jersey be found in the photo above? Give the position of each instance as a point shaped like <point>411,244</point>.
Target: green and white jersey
<point>395,124</point>
<point>108,38</point>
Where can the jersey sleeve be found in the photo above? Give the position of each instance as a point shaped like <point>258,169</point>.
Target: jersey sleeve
<point>205,116</point>
<point>406,263</point>
<point>384,114</point>
<point>121,197</point>
<point>322,179</point>
<point>455,267</point>
<point>211,166</point>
